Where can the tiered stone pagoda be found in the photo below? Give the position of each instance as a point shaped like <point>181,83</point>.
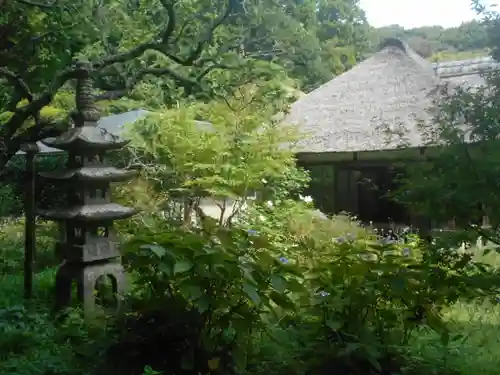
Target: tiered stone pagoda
<point>86,242</point>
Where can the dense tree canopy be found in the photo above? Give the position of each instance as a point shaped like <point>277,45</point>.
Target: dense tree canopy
<point>156,53</point>
<point>163,52</point>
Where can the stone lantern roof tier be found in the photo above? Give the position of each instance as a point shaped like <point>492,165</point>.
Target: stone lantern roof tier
<point>86,139</point>
<point>89,213</point>
<point>91,173</point>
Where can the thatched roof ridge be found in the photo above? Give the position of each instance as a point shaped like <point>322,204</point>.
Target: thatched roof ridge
<point>466,73</point>
<point>354,111</point>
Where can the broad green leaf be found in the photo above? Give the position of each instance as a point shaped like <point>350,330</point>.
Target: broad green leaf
<point>279,283</point>
<point>252,293</point>
<point>333,324</point>
<point>192,292</point>
<point>158,250</point>
<point>282,300</point>
<point>182,265</point>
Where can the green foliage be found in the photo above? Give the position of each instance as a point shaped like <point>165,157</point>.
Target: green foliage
<point>458,178</point>
<point>33,344</point>
<point>365,299</point>
<point>317,294</point>
<point>9,201</point>
<point>234,152</point>
<point>12,186</point>
<point>12,249</point>
<point>213,282</point>
<point>32,341</point>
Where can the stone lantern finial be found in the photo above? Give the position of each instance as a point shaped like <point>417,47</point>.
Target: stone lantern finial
<point>86,110</point>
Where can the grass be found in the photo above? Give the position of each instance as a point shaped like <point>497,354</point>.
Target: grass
<point>475,346</point>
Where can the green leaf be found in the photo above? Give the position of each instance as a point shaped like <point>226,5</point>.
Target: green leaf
<point>278,283</point>
<point>192,292</point>
<point>282,301</point>
<point>202,304</point>
<point>334,325</point>
<point>240,357</point>
<point>165,268</point>
<point>252,293</point>
<point>157,250</point>
<point>351,347</point>
<point>182,266</point>
<point>295,286</point>
<point>265,259</point>
<point>209,224</point>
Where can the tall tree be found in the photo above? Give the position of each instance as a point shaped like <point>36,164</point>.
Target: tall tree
<point>162,51</point>
<point>125,42</point>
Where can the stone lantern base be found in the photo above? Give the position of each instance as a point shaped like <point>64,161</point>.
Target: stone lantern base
<point>86,277</point>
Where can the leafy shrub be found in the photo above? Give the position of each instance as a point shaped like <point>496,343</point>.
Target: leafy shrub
<point>13,184</point>
<point>32,343</point>
<point>10,202</point>
<point>364,298</point>
<point>204,293</point>
<point>234,153</point>
<point>12,246</point>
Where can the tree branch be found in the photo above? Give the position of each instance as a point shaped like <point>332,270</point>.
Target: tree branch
<point>125,56</point>
<point>17,82</point>
<point>169,29</point>
<point>207,38</point>
<point>9,144</point>
<point>29,110</point>
<point>37,4</point>
<point>162,45</point>
<point>111,95</point>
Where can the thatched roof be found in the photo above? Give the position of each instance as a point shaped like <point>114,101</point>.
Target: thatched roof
<point>354,111</point>
<point>466,73</point>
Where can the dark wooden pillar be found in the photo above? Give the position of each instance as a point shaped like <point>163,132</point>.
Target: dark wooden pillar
<point>346,191</point>
<point>30,149</point>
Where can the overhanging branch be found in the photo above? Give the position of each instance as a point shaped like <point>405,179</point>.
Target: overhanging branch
<point>161,44</point>
<point>9,142</point>
<point>169,29</point>
<point>17,82</point>
<point>195,54</point>
<point>33,108</point>
<point>48,5</point>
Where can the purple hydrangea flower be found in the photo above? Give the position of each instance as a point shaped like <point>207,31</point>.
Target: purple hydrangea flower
<point>340,240</point>
<point>283,260</point>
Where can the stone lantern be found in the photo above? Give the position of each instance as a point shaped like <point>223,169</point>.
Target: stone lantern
<point>86,245</point>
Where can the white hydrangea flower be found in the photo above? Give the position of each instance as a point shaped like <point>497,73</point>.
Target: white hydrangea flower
<point>306,199</point>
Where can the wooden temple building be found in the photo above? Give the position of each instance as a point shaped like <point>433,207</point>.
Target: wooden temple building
<point>363,123</point>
